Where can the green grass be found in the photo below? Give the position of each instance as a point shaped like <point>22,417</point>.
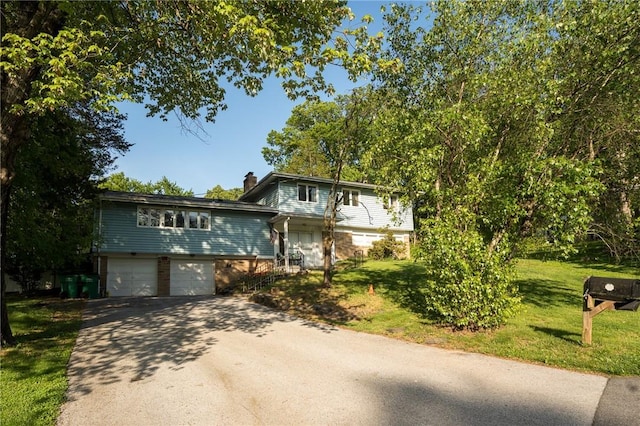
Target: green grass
<point>33,373</point>
<point>546,330</point>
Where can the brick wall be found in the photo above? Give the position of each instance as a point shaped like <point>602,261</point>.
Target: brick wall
<point>231,271</point>
<point>164,276</point>
<point>100,268</point>
<point>344,245</point>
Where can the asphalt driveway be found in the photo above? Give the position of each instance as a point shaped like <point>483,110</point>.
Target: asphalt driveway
<point>225,361</point>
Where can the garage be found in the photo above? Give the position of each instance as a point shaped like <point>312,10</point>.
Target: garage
<point>132,277</point>
<point>190,278</point>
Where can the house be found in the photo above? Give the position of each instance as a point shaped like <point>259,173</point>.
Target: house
<point>149,245</point>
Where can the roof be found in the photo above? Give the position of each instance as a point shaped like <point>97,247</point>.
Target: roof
<point>180,201</point>
<point>272,177</point>
<point>281,217</point>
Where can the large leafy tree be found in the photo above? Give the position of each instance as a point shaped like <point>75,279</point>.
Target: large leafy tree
<point>500,123</point>
<point>120,182</point>
<point>219,193</point>
<point>51,217</point>
<point>598,56</point>
<point>308,144</point>
<point>178,55</point>
<point>325,139</point>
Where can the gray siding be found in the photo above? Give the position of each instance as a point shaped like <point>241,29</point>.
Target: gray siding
<point>370,214</point>
<point>270,197</point>
<point>288,199</point>
<point>231,233</point>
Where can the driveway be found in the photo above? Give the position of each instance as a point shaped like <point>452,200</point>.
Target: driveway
<point>225,361</point>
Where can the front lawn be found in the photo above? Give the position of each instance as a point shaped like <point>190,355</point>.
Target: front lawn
<point>547,330</point>
<point>33,374</point>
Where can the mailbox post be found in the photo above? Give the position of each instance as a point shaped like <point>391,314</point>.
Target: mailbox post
<point>601,294</point>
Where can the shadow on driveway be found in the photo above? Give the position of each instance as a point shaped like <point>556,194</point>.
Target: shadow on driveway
<point>130,338</point>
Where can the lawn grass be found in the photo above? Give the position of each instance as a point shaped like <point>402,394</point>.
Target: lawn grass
<point>546,330</point>
<point>33,373</point>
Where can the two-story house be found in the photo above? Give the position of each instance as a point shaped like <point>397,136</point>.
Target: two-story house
<point>161,245</point>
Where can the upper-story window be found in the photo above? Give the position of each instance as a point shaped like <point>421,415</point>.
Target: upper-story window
<point>308,193</point>
<point>173,218</point>
<point>392,202</point>
<point>350,197</point>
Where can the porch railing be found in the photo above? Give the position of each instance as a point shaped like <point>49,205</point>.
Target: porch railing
<point>267,273</point>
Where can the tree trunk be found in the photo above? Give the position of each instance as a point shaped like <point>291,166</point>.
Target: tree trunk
<point>6,334</point>
<point>327,244</point>
<point>28,19</point>
<point>329,225</point>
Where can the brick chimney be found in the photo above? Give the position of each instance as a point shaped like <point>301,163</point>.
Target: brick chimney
<point>250,181</point>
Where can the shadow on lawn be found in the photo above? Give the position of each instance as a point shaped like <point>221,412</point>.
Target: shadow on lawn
<point>404,285</point>
<point>545,293</point>
<point>567,336</point>
<point>49,322</point>
<point>407,286</point>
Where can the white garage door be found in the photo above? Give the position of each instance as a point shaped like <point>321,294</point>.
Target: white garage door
<point>191,278</point>
<point>132,277</point>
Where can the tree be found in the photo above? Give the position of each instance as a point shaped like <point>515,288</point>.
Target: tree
<point>301,147</point>
<point>219,193</point>
<point>306,145</point>
<point>51,217</point>
<point>598,55</point>
<point>490,125</point>
<point>325,139</point>
<point>120,182</point>
<point>176,54</point>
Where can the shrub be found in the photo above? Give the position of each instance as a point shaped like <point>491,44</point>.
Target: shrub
<point>468,287</point>
<point>387,248</point>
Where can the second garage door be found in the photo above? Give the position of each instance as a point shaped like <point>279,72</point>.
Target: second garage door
<point>190,277</point>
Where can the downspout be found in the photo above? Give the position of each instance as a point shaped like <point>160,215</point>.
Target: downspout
<point>286,244</point>
<point>98,244</point>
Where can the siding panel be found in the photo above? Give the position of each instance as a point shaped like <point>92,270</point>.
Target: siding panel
<point>370,214</point>
<point>232,233</point>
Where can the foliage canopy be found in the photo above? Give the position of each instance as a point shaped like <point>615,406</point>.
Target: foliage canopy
<point>508,120</point>
<point>176,55</point>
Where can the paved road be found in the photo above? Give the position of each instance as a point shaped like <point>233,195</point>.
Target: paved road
<point>224,361</point>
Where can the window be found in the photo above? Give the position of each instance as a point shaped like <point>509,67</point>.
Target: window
<point>198,220</point>
<point>308,193</point>
<point>193,220</point>
<point>350,197</point>
<point>170,218</point>
<point>179,223</point>
<point>148,217</point>
<point>204,220</point>
<point>392,202</point>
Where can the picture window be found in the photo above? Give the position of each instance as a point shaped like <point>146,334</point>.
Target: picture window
<point>170,218</point>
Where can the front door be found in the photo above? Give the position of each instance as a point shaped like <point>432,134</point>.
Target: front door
<point>303,242</point>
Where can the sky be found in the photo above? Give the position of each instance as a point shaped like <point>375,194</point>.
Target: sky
<point>231,147</point>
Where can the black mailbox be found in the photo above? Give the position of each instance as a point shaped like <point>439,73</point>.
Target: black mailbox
<point>624,291</point>
<point>603,293</point>
<point>617,289</point>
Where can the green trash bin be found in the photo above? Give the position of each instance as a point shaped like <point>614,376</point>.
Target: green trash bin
<point>74,286</point>
<point>67,282</point>
<point>90,286</point>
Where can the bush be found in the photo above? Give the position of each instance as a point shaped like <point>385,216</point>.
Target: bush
<point>468,287</point>
<point>387,248</point>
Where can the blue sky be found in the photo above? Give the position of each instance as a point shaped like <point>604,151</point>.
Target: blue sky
<point>231,146</point>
